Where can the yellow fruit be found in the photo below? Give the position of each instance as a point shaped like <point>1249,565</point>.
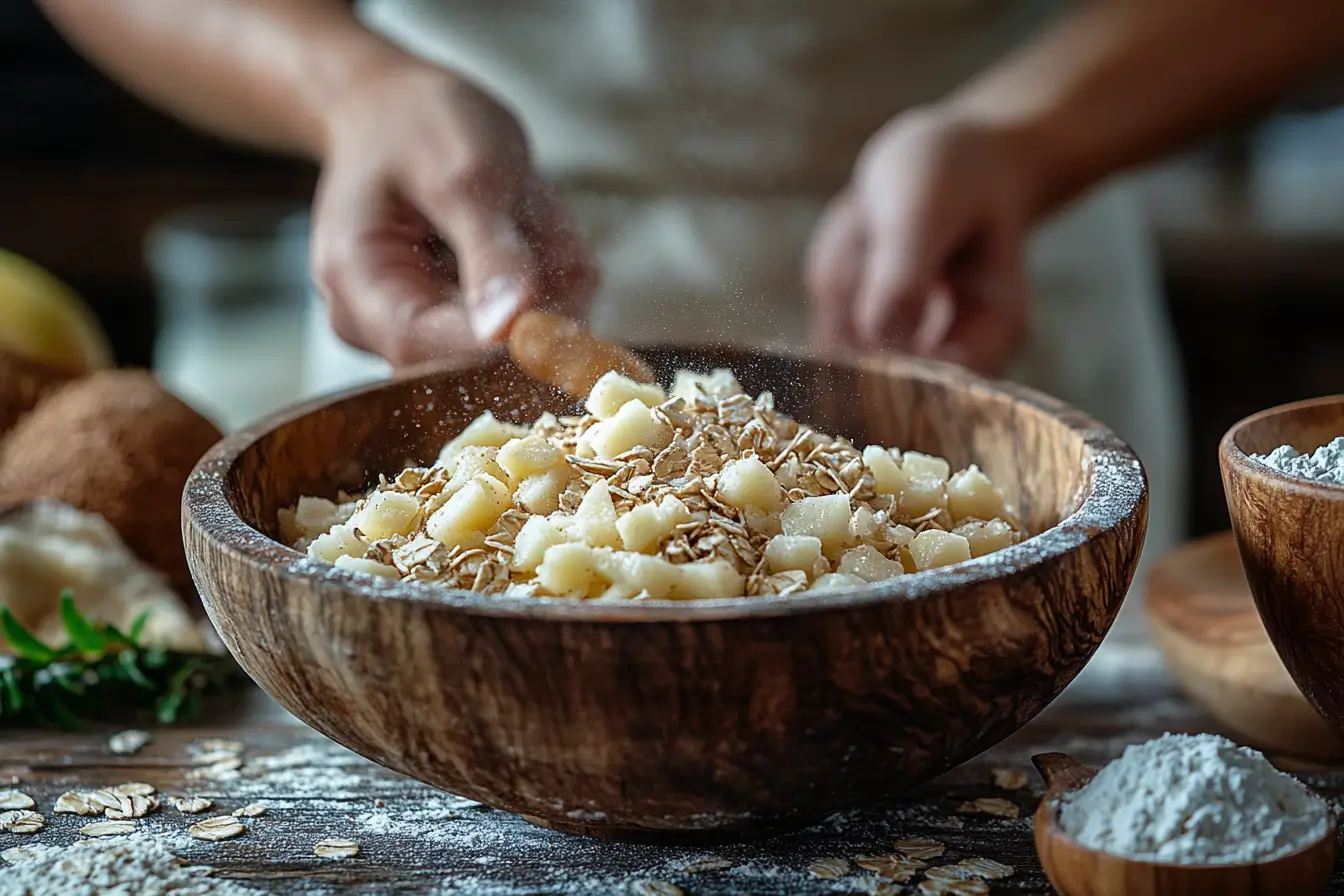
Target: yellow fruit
<point>42,319</point>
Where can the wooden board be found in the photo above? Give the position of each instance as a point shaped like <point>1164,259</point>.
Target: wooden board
<point>1203,618</point>
<point>417,840</point>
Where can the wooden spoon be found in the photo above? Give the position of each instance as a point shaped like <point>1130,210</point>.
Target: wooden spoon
<point>1075,870</point>
<point>558,351</point>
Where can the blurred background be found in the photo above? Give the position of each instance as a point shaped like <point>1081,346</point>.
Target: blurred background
<point>209,242</point>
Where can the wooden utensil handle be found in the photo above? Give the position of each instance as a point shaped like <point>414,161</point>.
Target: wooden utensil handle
<point>559,351</point>
<point>1061,773</point>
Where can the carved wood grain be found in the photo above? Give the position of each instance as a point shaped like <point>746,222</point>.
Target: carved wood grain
<point>658,719</point>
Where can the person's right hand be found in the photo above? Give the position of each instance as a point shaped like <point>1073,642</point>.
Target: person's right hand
<point>431,231</point>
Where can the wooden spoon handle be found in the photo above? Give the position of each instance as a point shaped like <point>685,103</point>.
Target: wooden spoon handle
<point>558,351</point>
<point>1061,773</point>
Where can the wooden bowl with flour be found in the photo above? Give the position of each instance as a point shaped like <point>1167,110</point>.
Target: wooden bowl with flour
<point>1287,532</point>
<point>693,720</point>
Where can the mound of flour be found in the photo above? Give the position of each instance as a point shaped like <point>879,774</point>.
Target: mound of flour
<point>1194,800</point>
<point>127,866</point>
<point>1325,464</point>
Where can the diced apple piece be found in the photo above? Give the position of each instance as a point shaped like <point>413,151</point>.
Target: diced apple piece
<point>368,567</point>
<point>341,541</point>
<point>749,483</point>
<point>868,564</point>
<point>612,391</point>
<point>785,552</point>
<point>385,514</point>
<point>922,494</point>
<point>764,521</point>
<point>717,578</point>
<point>863,524</point>
<point>825,518</point>
<point>541,494</point>
<point>567,570</point>
<point>528,456</point>
<point>631,427</point>
<point>290,533</point>
<point>971,494</point>
<point>594,522</point>
<point>314,516</point>
<point>914,464</point>
<point>645,527</point>
<point>532,542</point>
<point>486,431</point>
<point>987,537</point>
<point>837,581</point>
<point>933,548</point>
<point>888,477</point>
<point>637,572</point>
<point>718,385</point>
<point>475,507</point>
<point>473,461</point>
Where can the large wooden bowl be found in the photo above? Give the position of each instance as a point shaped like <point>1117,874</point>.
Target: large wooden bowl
<point>663,719</point>
<point>1288,533</point>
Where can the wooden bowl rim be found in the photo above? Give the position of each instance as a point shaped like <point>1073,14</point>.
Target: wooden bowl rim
<point>1114,493</point>
<point>1237,461</point>
<point>1052,829</point>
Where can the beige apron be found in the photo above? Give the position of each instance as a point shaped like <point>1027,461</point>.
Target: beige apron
<point>698,140</point>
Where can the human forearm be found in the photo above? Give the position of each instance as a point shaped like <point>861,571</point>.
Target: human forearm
<point>261,71</point>
<point>1121,82</point>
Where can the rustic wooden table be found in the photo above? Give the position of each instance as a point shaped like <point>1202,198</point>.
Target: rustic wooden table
<point>416,840</point>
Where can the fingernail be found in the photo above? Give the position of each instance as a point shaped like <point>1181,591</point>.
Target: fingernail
<point>495,306</point>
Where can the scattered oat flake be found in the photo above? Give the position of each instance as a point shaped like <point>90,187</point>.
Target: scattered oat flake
<point>949,872</point>
<point>193,805</point>
<point>879,887</point>
<point>1009,779</point>
<point>990,805</point>
<point>920,849</point>
<point>133,788</point>
<point>658,888</point>
<point>107,828</point>
<point>134,807</point>
<point>251,810</point>
<point>954,888</point>
<point>17,854</point>
<point>15,799</point>
<point>219,745</point>
<point>103,799</point>
<point>129,742</point>
<point>987,869</point>
<point>336,848</point>
<point>21,821</point>
<point>72,802</point>
<point>228,764</point>
<point>713,863</point>
<point>829,868</point>
<point>894,867</point>
<point>221,827</point>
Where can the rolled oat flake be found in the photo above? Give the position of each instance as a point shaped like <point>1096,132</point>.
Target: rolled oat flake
<point>1194,800</point>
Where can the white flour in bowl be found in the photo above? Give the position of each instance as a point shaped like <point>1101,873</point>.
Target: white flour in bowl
<point>1325,464</point>
<point>1194,800</point>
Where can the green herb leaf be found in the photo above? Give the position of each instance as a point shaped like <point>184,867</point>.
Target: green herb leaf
<point>22,640</point>
<point>83,635</point>
<point>137,628</point>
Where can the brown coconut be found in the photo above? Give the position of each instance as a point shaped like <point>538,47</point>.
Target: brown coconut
<point>23,382</point>
<point>117,444</point>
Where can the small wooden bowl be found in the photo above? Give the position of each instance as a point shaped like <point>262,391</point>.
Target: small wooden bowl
<point>1203,618</point>
<point>689,720</point>
<point>1075,870</point>
<point>1288,533</point>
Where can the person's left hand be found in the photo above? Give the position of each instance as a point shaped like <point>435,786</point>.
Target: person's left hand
<point>923,251</point>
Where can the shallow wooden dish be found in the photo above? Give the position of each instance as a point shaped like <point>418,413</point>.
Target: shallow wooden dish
<point>697,720</point>
<point>1202,616</point>
<point>1288,532</point>
<point>1076,870</point>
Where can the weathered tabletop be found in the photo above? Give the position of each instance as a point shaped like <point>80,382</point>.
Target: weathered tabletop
<point>418,840</point>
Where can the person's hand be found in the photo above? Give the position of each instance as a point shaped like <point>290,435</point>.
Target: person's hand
<point>923,251</point>
<point>431,231</point>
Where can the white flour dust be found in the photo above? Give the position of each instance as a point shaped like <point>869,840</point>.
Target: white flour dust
<point>138,865</point>
<point>1325,464</point>
<point>1194,800</point>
